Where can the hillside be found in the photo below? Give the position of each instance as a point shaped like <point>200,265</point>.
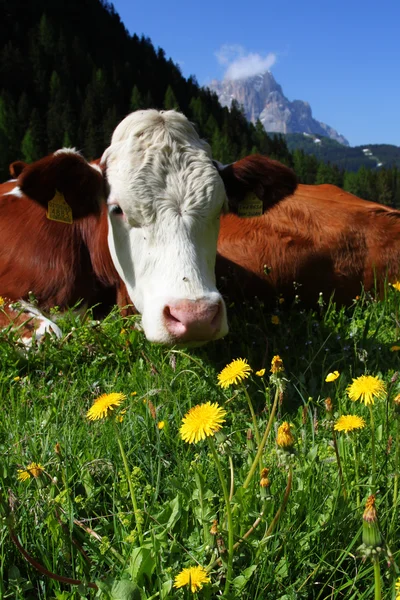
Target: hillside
<point>61,85</point>
<point>370,156</point>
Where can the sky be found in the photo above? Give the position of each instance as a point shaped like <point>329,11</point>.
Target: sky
<point>343,57</point>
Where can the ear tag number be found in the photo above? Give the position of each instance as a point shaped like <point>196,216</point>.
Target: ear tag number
<point>251,206</point>
<point>59,210</point>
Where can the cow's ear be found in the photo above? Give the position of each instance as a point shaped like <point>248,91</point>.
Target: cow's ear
<point>65,176</point>
<point>255,183</point>
<point>16,168</point>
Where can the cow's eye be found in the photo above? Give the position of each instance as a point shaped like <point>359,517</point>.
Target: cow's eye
<point>115,209</point>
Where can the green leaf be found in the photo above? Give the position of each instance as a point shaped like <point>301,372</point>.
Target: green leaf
<point>125,590</point>
<point>240,581</point>
<point>141,563</point>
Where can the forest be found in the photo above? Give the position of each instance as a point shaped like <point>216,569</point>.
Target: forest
<point>70,71</point>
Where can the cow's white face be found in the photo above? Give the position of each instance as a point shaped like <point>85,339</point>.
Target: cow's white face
<point>164,205</point>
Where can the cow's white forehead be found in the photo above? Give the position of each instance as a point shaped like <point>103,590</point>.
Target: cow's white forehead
<point>157,161</point>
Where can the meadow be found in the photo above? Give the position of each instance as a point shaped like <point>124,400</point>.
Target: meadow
<point>261,491</point>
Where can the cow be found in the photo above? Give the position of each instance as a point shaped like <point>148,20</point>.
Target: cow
<point>143,225</point>
<point>319,242</point>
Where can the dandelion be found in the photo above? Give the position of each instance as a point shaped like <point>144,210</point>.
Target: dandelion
<point>275,320</point>
<point>260,373</point>
<point>332,376</point>
<point>214,527</point>
<point>2,301</point>
<point>397,588</point>
<point>396,285</point>
<point>103,405</point>
<point>285,438</point>
<point>235,372</point>
<point>349,423</point>
<point>32,470</point>
<point>202,421</point>
<point>161,424</point>
<point>277,364</point>
<point>17,378</point>
<point>194,577</point>
<point>119,418</point>
<point>264,481</point>
<point>371,534</point>
<point>394,348</point>
<point>365,389</point>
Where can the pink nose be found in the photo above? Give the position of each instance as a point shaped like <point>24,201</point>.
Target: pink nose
<point>193,320</point>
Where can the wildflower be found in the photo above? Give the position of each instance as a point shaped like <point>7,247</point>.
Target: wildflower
<point>133,393</point>
<point>277,364</point>
<point>2,301</point>
<point>328,405</point>
<point>332,376</point>
<point>394,348</point>
<point>397,588</point>
<point>264,481</point>
<point>235,372</point>
<point>285,439</point>
<point>275,320</point>
<point>260,373</point>
<point>161,424</point>
<point>396,285</point>
<point>122,332</point>
<point>349,423</point>
<point>371,535</point>
<point>202,421</point>
<point>365,389</point>
<point>32,470</point>
<point>17,378</point>
<point>281,300</point>
<point>195,577</point>
<point>214,527</point>
<point>119,418</point>
<point>103,405</point>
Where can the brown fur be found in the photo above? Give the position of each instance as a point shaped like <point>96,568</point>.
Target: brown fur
<point>321,237</point>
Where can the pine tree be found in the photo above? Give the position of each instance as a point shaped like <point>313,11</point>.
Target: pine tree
<point>170,101</point>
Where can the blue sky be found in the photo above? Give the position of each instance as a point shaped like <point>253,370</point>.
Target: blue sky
<point>342,57</point>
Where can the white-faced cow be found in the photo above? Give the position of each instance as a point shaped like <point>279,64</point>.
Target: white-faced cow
<point>144,223</point>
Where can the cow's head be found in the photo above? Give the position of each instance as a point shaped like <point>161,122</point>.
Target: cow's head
<point>165,196</point>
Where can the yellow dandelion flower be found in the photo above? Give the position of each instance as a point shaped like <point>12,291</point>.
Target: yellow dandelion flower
<point>161,424</point>
<point>396,285</point>
<point>202,421</point>
<point>285,438</point>
<point>235,372</point>
<point>103,405</point>
<point>2,301</point>
<point>17,378</point>
<point>275,320</point>
<point>365,389</point>
<point>133,393</point>
<point>349,423</point>
<point>260,373</point>
<point>332,376</point>
<point>397,588</point>
<point>32,470</point>
<point>277,364</point>
<point>119,418</point>
<point>194,577</point>
<point>394,348</point>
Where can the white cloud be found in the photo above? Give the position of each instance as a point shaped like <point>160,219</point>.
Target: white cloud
<point>241,64</point>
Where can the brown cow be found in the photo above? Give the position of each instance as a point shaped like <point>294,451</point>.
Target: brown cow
<point>320,239</point>
<point>147,231</point>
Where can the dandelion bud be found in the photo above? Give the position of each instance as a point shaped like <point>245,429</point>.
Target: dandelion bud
<point>371,535</point>
<point>277,364</point>
<point>328,405</point>
<point>285,438</point>
<point>214,527</point>
<point>264,481</point>
<point>57,448</point>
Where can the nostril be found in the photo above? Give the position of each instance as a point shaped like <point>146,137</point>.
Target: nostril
<point>169,316</point>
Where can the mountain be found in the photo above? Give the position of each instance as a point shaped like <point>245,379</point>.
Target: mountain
<point>370,156</point>
<point>262,98</point>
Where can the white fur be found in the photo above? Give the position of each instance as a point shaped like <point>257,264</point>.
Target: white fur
<point>66,151</point>
<point>16,192</point>
<point>43,324</point>
<point>164,246</point>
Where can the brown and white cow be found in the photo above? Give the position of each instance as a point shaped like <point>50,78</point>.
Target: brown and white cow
<point>321,239</point>
<point>145,224</point>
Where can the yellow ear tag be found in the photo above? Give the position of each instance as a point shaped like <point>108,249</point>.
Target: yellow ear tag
<point>59,210</point>
<point>251,206</point>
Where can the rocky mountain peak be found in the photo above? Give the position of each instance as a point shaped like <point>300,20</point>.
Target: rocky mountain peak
<point>263,98</point>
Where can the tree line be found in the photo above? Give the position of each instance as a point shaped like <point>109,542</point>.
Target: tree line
<point>70,71</point>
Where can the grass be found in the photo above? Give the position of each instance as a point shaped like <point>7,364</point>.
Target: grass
<point>300,537</point>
